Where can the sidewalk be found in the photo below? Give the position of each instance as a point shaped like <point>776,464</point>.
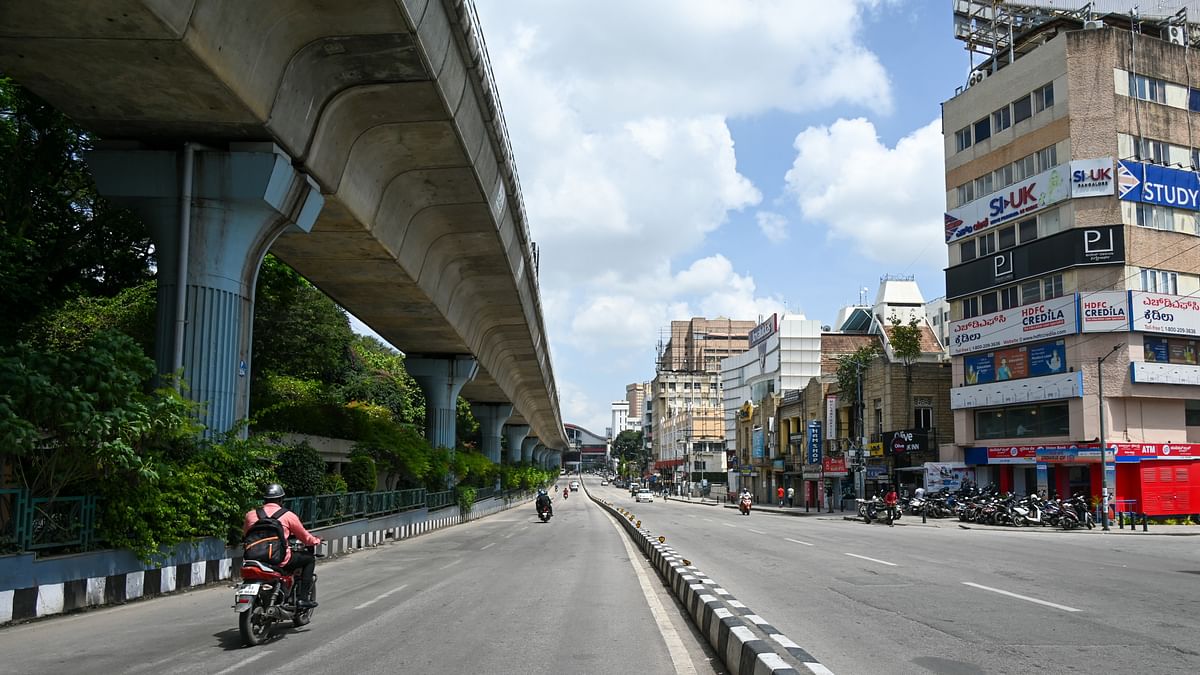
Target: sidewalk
<point>766,508</point>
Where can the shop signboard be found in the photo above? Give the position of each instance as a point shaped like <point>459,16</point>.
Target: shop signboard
<point>1022,454</point>
<point>946,475</point>
<point>1102,245</point>
<point>830,429</point>
<point>1092,177</point>
<point>777,464</point>
<point>1161,185</point>
<point>1104,312</point>
<point>907,441</point>
<point>1137,451</point>
<point>1159,313</point>
<point>1163,373</point>
<point>811,471</point>
<point>814,443</point>
<point>876,472</point>
<point>1038,321</point>
<point>1032,194</point>
<point>764,330</point>
<point>834,467</point>
<point>757,443</point>
<point>875,449</point>
<point>1069,455</point>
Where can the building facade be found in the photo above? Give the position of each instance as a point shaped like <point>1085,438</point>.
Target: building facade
<point>1073,236</point>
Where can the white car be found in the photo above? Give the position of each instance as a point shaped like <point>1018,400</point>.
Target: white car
<point>644,495</point>
<point>574,486</point>
<point>604,482</point>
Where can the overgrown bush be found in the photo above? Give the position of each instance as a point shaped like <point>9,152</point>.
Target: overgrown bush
<point>360,473</point>
<point>334,484</point>
<point>301,470</point>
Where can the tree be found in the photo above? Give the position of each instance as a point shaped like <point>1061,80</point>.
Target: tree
<point>628,446</point>
<point>58,238</point>
<point>301,470</point>
<point>376,373</point>
<point>360,473</point>
<point>848,366</point>
<point>906,345</point>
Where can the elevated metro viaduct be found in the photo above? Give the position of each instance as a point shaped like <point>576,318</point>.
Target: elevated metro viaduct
<point>362,143</point>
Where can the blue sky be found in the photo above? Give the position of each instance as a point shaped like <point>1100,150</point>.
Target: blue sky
<point>687,158</point>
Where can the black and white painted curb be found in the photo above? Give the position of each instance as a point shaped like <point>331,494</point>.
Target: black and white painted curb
<point>49,597</point>
<point>746,642</point>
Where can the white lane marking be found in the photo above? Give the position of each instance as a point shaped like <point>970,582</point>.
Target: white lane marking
<point>488,546</point>
<point>797,541</point>
<point>1022,597</point>
<point>452,563</point>
<point>881,562</point>
<point>708,520</point>
<point>755,531</point>
<point>241,663</point>
<point>509,535</point>
<point>679,655</point>
<point>380,597</point>
<point>729,525</point>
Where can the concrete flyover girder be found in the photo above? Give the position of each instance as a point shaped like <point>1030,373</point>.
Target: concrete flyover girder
<point>386,104</point>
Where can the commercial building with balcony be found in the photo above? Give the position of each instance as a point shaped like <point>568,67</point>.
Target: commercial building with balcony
<point>1073,234</point>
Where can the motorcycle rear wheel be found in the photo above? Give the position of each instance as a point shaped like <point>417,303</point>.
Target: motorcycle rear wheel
<point>254,625</point>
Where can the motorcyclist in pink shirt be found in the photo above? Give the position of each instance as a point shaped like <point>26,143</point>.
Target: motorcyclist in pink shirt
<point>292,527</point>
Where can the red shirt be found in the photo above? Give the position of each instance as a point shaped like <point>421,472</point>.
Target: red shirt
<point>890,498</point>
<point>292,527</point>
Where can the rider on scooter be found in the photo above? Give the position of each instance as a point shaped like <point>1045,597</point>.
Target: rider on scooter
<point>543,503</point>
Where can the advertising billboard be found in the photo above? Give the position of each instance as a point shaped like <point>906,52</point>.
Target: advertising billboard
<point>1161,185</point>
<point>1104,312</point>
<point>1159,313</point>
<point>1032,194</point>
<point>1038,321</point>
<point>1092,177</point>
<point>1104,245</point>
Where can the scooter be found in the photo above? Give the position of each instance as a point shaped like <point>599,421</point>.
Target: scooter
<point>544,513</point>
<point>744,505</point>
<point>565,493</point>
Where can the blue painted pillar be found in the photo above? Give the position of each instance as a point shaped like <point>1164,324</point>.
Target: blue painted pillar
<point>491,418</point>
<point>440,379</point>
<point>527,447</point>
<point>556,459</point>
<point>241,201</point>
<point>514,435</point>
<point>539,456</point>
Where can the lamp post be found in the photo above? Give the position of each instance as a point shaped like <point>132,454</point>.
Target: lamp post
<point>1103,447</point>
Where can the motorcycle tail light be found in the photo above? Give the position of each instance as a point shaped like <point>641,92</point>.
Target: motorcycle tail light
<point>243,599</point>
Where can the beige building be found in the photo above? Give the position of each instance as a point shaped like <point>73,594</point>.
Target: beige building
<point>1073,234</point>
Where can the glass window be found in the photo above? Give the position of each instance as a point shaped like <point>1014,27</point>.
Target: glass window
<point>989,424</point>
<point>1052,287</point>
<point>1195,153</point>
<point>1153,216</point>
<point>962,139</point>
<point>1147,88</point>
<point>966,193</point>
<point>1008,237</point>
<point>1027,230</point>
<point>1049,222</point>
<point>983,184</point>
<point>1002,119</point>
<point>1194,102</point>
<point>1031,292</point>
<point>988,303</point>
<point>1025,167</point>
<point>1047,158</point>
<point>1003,177</point>
<point>1191,409</point>
<point>983,130</point>
<point>1043,98</point>
<point>987,244</point>
<point>970,307</point>
<point>924,417</point>
<point>1022,108</point>
<point>1160,281</point>
<point>1150,150</point>
<point>1008,298</point>
<point>1047,419</point>
<point>966,250</point>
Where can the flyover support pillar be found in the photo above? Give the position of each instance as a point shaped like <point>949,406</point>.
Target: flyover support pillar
<point>491,417</point>
<point>213,214</point>
<point>556,459</point>
<point>440,379</point>
<point>514,436</point>
<point>527,448</point>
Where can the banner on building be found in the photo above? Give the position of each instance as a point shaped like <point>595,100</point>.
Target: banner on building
<point>757,443</point>
<point>834,467</point>
<point>764,330</point>
<point>1032,194</point>
<point>830,416</point>
<point>1102,245</point>
<point>907,441</point>
<point>1160,185</point>
<point>1104,312</point>
<point>1159,313</point>
<point>946,475</point>
<point>814,443</point>
<point>1038,321</point>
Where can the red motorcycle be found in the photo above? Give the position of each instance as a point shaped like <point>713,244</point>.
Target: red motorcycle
<point>267,595</point>
<point>744,506</point>
<point>566,492</point>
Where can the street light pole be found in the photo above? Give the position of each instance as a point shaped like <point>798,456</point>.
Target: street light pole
<point>1103,447</point>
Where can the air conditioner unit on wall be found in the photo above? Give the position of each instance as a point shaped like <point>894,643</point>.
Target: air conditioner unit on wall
<point>1093,25</point>
<point>976,77</point>
<point>1177,35</point>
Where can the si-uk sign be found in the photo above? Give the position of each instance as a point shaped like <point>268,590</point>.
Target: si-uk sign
<point>1092,177</point>
<point>1032,194</point>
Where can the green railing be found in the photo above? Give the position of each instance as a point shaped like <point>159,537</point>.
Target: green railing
<point>42,523</point>
<point>437,500</point>
<point>485,493</point>
<point>320,510</point>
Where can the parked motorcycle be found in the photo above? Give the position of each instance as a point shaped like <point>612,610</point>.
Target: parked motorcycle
<point>267,596</point>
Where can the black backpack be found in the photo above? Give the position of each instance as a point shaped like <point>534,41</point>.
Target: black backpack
<point>266,540</point>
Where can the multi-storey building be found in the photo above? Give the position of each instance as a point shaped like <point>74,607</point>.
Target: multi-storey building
<point>687,385</point>
<point>1073,236</point>
<point>635,396</point>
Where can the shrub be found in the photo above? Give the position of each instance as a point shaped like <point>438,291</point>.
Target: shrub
<point>360,473</point>
<point>334,484</point>
<point>301,470</point>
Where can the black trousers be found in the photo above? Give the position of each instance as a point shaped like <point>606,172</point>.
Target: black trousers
<point>306,563</point>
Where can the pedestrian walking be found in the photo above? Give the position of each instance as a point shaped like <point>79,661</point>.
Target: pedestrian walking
<point>791,496</point>
<point>779,493</point>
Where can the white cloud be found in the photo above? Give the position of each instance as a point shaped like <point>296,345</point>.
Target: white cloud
<point>887,202</point>
<point>773,226</point>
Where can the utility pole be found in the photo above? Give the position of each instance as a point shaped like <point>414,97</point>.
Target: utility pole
<point>860,477</point>
<point>1103,447</point>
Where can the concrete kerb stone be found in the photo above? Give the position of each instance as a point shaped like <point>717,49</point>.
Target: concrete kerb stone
<point>746,642</point>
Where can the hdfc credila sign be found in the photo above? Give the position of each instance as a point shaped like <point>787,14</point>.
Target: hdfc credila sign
<point>1104,312</point>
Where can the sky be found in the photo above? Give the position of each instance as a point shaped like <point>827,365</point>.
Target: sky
<point>735,158</point>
